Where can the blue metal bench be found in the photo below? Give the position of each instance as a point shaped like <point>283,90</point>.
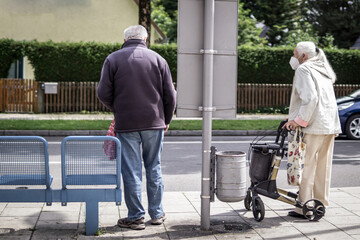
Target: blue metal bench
<point>25,161</point>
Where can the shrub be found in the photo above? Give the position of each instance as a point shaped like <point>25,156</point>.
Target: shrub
<point>82,61</point>
<point>10,51</point>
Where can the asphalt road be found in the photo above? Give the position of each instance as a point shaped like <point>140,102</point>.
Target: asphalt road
<point>181,161</point>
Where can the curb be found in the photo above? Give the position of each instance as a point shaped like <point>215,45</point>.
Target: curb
<point>103,133</point>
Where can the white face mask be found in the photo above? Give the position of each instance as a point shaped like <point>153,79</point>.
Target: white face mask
<point>294,63</point>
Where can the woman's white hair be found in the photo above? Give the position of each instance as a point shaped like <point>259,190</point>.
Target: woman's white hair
<point>135,32</point>
<point>315,54</point>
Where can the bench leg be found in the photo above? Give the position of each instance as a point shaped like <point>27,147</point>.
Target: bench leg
<point>92,217</point>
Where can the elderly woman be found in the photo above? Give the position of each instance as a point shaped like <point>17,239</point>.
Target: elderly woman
<point>313,107</point>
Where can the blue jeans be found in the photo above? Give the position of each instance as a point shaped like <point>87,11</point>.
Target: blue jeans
<point>151,142</point>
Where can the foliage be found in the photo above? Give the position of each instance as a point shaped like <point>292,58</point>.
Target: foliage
<point>248,33</point>
<point>269,110</point>
<point>279,15</point>
<point>271,65</point>
<point>339,18</point>
<point>10,51</point>
<point>164,14</point>
<point>264,65</point>
<point>169,53</point>
<point>306,33</point>
<point>82,61</point>
<point>68,61</point>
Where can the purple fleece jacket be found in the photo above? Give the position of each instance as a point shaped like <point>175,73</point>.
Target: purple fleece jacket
<point>136,84</point>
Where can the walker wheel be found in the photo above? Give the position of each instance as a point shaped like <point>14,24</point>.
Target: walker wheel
<point>314,210</point>
<point>258,208</point>
<point>248,200</point>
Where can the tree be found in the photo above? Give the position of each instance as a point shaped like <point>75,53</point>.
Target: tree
<point>164,14</point>
<point>248,33</point>
<point>339,18</point>
<point>279,15</point>
<point>307,33</point>
<point>145,17</point>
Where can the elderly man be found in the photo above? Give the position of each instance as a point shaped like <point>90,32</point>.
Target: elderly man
<point>313,107</point>
<point>136,85</point>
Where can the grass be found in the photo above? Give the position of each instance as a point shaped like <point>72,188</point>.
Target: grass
<point>104,124</point>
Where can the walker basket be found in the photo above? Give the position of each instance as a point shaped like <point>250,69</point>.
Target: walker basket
<point>260,164</point>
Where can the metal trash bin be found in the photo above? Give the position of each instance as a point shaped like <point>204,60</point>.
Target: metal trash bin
<point>231,176</point>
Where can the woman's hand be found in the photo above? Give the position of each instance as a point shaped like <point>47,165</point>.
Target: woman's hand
<point>291,125</point>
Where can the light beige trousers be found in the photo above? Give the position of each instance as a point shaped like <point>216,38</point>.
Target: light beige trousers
<point>316,178</point>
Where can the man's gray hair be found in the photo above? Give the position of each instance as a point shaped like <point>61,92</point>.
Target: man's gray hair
<point>135,32</point>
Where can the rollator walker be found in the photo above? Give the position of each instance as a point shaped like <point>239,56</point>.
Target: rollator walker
<point>264,166</point>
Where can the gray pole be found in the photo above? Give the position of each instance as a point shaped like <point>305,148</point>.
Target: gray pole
<point>207,109</point>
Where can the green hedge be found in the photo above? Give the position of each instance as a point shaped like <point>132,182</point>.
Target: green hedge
<point>10,51</point>
<point>271,65</point>
<point>264,65</point>
<point>65,61</point>
<point>82,61</point>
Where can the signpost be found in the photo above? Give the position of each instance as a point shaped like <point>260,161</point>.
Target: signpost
<point>207,72</point>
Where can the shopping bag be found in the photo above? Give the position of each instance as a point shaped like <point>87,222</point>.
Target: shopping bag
<point>296,157</point>
<point>110,146</point>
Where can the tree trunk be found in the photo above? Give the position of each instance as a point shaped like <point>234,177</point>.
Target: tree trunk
<point>145,17</point>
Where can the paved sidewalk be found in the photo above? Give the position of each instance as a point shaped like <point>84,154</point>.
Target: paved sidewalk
<point>228,220</point>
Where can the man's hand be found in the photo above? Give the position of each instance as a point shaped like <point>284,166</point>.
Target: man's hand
<point>291,125</point>
<point>167,128</point>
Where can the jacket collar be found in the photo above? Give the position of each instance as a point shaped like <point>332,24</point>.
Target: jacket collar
<point>134,43</point>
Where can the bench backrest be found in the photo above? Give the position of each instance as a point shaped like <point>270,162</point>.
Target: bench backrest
<point>84,161</point>
<point>24,160</point>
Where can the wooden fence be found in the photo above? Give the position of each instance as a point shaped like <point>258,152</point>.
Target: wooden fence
<point>21,96</point>
<point>18,95</point>
<point>74,97</point>
<point>253,96</point>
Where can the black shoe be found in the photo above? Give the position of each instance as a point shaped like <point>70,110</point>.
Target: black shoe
<point>295,214</point>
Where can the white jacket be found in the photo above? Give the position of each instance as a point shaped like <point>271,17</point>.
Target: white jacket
<point>313,103</point>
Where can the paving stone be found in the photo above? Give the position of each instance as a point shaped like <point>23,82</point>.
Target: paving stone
<point>191,233</point>
<point>59,224</point>
<point>150,232</point>
<point>320,230</point>
<point>18,223</point>
<point>350,228</point>
<point>61,216</point>
<point>180,207</point>
<point>180,221</point>
<point>55,234</point>
<point>280,232</point>
<point>109,210</point>
<point>338,211</point>
<point>345,200</point>
<point>21,212</point>
<point>25,205</point>
<point>57,207</point>
<point>223,212</point>
<point>353,207</point>
<point>2,207</point>
<point>108,220</point>
<point>238,236</point>
<point>343,219</point>
<point>11,234</point>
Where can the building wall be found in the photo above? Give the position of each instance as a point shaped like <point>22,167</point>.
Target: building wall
<point>67,20</point>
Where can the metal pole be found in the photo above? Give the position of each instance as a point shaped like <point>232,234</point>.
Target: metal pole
<point>207,109</point>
